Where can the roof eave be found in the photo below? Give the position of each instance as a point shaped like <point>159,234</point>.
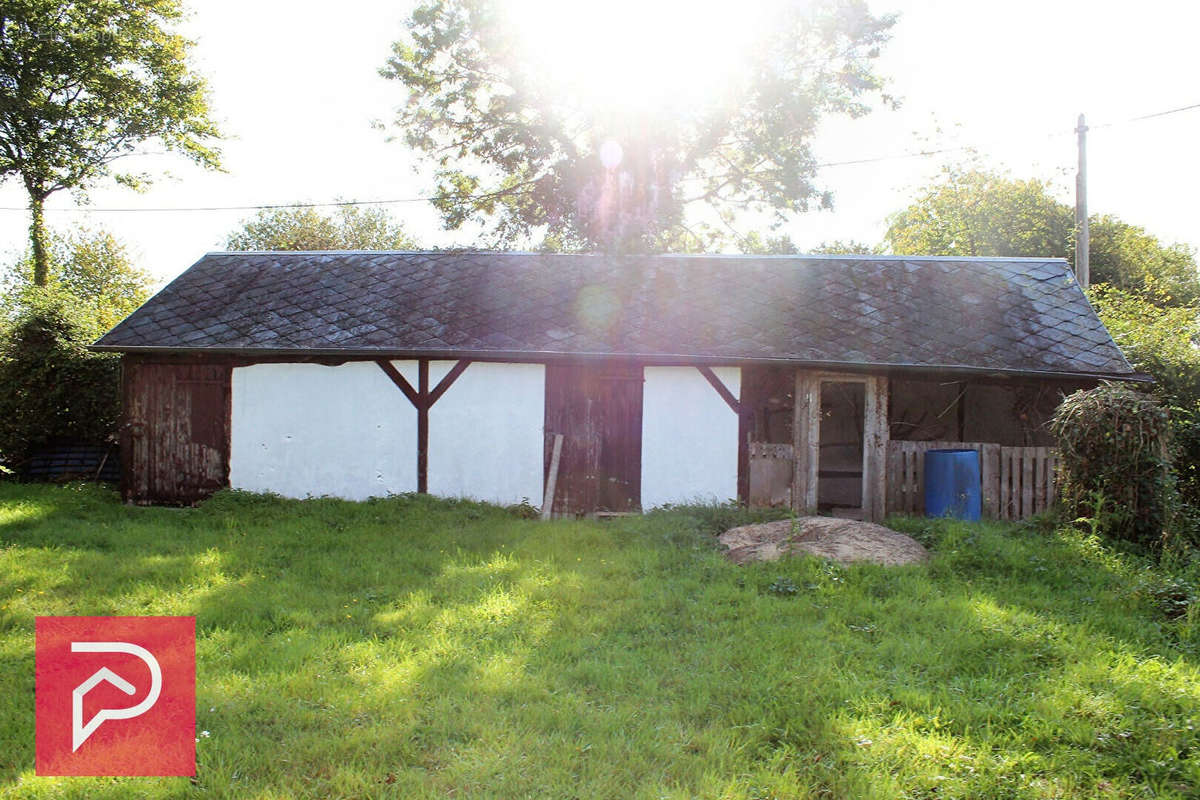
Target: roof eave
<point>653,359</point>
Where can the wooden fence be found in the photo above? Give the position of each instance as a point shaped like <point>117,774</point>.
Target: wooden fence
<point>1017,482</point>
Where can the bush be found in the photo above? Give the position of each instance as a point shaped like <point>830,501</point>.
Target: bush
<point>1115,465</point>
<point>54,389</point>
<point>1160,338</point>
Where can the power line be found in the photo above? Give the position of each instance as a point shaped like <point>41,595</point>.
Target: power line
<point>264,207</point>
<point>399,200</point>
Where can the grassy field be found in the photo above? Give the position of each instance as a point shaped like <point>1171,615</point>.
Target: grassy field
<point>417,648</point>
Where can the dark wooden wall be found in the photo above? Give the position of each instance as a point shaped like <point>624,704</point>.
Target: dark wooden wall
<point>175,430</point>
<point>598,410</point>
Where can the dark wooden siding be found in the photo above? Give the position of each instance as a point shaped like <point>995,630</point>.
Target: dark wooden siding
<point>175,433</point>
<point>598,410</point>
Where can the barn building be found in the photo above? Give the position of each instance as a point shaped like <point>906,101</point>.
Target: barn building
<point>802,380</point>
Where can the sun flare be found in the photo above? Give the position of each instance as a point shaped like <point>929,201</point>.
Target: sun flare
<point>638,54</point>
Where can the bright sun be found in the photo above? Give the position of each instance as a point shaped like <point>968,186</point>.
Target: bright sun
<point>662,55</point>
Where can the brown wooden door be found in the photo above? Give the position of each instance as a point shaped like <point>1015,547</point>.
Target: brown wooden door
<point>175,440</point>
<point>598,410</point>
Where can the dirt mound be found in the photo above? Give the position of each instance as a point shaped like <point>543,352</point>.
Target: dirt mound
<point>843,540</point>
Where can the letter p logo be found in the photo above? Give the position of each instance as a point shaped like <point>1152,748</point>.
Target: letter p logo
<point>116,695</point>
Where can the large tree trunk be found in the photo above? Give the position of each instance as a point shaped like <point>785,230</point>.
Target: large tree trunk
<point>37,237</point>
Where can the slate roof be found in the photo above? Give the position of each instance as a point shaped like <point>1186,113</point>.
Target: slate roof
<point>1001,315</point>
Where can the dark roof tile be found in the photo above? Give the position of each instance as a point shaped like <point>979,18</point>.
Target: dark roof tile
<point>1003,314</point>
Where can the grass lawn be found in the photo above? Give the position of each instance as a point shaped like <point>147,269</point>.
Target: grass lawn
<point>411,647</point>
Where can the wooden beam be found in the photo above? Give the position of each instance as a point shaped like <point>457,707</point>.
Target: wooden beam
<point>423,426</point>
<point>876,435</point>
<point>446,382</point>
<point>745,424</point>
<point>399,380</point>
<point>422,399</point>
<point>722,389</point>
<point>806,423</point>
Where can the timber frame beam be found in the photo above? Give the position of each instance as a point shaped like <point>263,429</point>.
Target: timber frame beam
<point>423,399</point>
<point>743,415</point>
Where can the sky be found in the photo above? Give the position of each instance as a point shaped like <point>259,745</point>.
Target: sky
<point>295,86</point>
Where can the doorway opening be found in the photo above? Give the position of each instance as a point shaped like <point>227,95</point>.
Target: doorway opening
<point>841,462</point>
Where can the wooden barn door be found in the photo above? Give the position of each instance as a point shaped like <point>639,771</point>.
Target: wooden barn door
<point>598,410</point>
<point>175,436</point>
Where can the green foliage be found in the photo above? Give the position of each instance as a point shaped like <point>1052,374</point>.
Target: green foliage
<point>413,648</point>
<point>976,212</point>
<point>1126,257</point>
<point>784,587</point>
<point>350,228</point>
<point>89,270</point>
<point>55,390</point>
<point>1161,339</point>
<point>1115,466</point>
<point>84,85</point>
<point>523,150</point>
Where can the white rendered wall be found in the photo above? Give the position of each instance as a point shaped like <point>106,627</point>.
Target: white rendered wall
<point>689,437</point>
<point>486,435</point>
<point>304,430</point>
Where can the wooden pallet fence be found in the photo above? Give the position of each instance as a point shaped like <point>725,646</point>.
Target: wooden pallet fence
<point>1017,482</point>
<point>1027,480</point>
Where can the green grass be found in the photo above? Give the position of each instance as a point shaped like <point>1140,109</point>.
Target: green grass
<point>418,648</point>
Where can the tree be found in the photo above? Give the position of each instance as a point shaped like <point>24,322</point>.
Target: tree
<point>90,271</point>
<point>981,213</point>
<point>1126,257</point>
<point>527,146</point>
<point>82,85</point>
<point>976,212</point>
<point>352,228</point>
<point>55,390</point>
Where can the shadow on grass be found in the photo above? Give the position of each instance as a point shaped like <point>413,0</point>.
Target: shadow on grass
<point>413,647</point>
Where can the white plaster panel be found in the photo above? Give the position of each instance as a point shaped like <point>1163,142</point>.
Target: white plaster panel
<point>689,437</point>
<point>486,433</point>
<point>309,430</point>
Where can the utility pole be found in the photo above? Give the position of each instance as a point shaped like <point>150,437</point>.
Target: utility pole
<point>1082,268</point>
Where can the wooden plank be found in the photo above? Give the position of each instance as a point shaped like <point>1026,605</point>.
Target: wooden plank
<point>989,474</point>
<point>1044,495</point>
<point>1005,498</point>
<point>552,478</point>
<point>1026,485</point>
<point>894,479</point>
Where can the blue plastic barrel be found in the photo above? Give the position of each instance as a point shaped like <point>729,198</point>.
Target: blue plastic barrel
<point>952,484</point>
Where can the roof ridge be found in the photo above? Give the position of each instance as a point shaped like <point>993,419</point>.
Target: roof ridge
<point>697,256</point>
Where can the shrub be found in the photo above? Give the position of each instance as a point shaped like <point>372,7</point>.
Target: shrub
<point>1115,462</point>
<point>54,389</point>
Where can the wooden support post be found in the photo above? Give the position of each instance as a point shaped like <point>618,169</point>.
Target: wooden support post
<point>422,399</point>
<point>806,423</point>
<point>875,445</point>
<point>423,426</point>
